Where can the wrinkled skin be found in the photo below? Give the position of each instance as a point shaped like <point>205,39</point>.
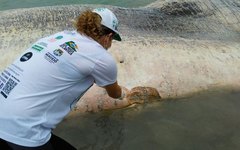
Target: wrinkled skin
<point>178,47</point>
<point>96,99</point>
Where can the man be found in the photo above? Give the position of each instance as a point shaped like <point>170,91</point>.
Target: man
<point>42,86</point>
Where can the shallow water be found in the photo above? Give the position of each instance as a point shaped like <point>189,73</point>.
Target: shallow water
<point>208,121</point>
<point>13,4</point>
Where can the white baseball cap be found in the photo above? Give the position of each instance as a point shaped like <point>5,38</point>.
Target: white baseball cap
<point>109,20</point>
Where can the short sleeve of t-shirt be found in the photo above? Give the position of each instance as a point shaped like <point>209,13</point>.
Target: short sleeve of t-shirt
<point>105,71</point>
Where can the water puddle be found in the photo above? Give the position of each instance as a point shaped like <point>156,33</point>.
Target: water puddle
<point>208,121</point>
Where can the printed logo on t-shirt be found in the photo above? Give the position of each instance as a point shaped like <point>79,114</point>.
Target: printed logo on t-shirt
<point>51,58</point>
<point>58,52</point>
<point>7,83</point>
<point>37,48</point>
<point>59,37</point>
<point>26,57</point>
<point>70,47</point>
<point>69,32</point>
<point>43,44</point>
<point>1,84</point>
<point>56,38</point>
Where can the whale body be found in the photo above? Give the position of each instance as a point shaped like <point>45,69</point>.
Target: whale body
<point>179,47</point>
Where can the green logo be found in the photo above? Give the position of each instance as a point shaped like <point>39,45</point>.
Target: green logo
<point>72,45</point>
<point>37,48</point>
<point>59,37</point>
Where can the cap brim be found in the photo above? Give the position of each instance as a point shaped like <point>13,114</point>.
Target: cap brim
<point>117,37</point>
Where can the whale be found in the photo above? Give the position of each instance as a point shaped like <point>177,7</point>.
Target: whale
<point>178,47</point>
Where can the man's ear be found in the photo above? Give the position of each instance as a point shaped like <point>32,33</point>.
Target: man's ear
<point>110,35</point>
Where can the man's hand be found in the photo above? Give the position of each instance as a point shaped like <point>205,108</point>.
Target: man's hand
<point>141,95</point>
<point>125,93</point>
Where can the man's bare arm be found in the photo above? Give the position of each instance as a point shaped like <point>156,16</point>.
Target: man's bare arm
<point>114,90</point>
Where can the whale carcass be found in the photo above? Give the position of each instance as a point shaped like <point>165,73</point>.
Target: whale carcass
<point>179,47</point>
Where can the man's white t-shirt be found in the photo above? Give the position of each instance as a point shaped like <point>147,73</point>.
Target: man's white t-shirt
<point>41,86</point>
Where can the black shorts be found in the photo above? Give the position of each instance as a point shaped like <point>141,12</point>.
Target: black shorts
<point>55,143</point>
